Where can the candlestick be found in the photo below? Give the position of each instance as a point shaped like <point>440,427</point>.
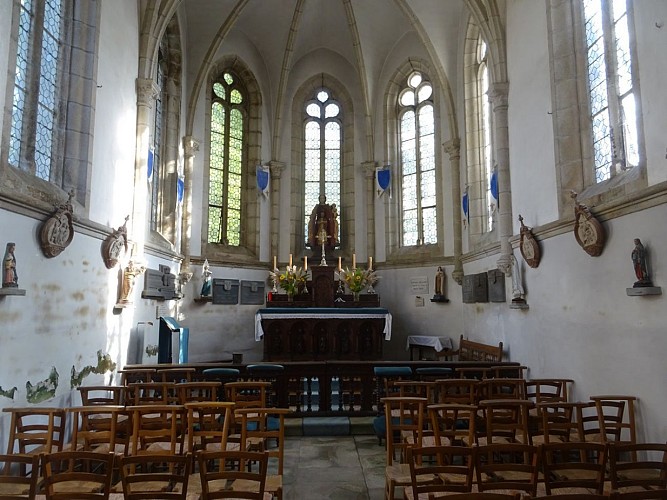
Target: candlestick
<point>354,261</point>
<point>305,263</point>
<point>370,263</point>
<point>290,261</point>
<point>275,262</point>
<point>340,267</point>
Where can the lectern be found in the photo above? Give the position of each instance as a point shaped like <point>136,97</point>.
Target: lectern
<point>166,341</point>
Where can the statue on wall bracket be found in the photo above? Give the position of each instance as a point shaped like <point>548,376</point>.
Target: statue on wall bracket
<point>588,231</point>
<point>56,232</point>
<point>323,226</point>
<point>530,249</point>
<point>114,245</point>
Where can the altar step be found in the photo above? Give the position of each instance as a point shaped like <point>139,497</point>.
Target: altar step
<point>329,426</point>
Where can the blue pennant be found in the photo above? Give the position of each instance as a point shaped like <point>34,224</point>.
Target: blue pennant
<point>263,179</point>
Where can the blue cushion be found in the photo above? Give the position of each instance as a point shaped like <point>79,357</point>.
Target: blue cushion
<point>229,372</point>
<point>265,368</point>
<point>392,371</point>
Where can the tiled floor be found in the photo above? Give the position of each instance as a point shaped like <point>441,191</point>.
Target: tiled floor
<point>336,467</point>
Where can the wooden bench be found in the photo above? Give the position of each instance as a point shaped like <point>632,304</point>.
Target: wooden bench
<point>476,351</point>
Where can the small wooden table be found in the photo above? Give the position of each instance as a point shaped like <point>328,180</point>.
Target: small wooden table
<point>422,342</point>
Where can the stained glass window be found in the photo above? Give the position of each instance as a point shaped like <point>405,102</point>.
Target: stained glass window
<point>228,138</point>
<point>38,58</point>
<point>417,156</point>
<point>157,144</point>
<point>323,153</point>
<point>611,87</point>
<point>485,126</point>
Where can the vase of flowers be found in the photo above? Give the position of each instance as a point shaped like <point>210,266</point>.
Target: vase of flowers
<point>292,279</point>
<point>357,279</point>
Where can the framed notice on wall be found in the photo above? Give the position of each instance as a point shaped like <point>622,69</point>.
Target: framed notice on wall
<point>419,285</point>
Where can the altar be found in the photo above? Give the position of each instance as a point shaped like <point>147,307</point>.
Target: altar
<point>322,333</point>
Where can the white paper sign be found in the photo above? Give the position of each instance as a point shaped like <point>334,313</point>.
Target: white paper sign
<point>419,285</point>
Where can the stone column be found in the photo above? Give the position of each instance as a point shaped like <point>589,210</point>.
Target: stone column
<point>147,92</point>
<point>276,168</point>
<point>190,149</point>
<point>498,98</point>
<point>453,149</point>
<point>368,168</point>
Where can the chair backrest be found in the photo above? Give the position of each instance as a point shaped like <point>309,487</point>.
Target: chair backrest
<point>77,474</point>
<point>36,430</point>
<point>150,393</point>
<point>617,418</point>
<point>639,464</point>
<point>557,422</point>
<point>157,429</point>
<point>506,420</point>
<point>502,388</point>
<point>175,374</point>
<point>247,394</point>
<point>101,394</point>
<point>208,425</point>
<point>453,424</point>
<point>547,390</point>
<point>219,469</point>
<point>573,465</point>
<point>187,392</point>
<point>412,388</point>
<point>452,465</point>
<point>19,475</point>
<point>484,496</point>
<point>155,476</point>
<point>456,391</point>
<point>261,425</point>
<point>403,417</point>
<point>507,466</point>
<point>100,428</point>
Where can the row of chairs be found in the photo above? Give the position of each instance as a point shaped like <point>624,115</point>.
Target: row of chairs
<point>68,475</point>
<point>554,469</point>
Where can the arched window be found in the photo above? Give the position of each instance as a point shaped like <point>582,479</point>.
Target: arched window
<point>419,216</point>
<point>612,87</point>
<point>155,163</point>
<point>227,154</point>
<point>488,177</point>
<point>323,152</point>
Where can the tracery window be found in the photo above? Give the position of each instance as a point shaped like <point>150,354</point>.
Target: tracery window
<point>419,219</point>
<point>612,87</point>
<point>155,166</point>
<point>228,151</point>
<point>323,152</point>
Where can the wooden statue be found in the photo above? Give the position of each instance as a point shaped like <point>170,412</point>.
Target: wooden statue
<point>323,225</point>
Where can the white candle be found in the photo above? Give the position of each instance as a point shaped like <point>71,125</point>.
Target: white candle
<point>305,263</point>
<point>275,262</point>
<point>340,266</point>
<point>370,263</point>
<point>290,260</point>
<point>354,261</point>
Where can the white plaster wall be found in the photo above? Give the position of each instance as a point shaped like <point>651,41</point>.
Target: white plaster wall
<point>532,160</point>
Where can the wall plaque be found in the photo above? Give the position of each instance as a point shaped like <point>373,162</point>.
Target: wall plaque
<point>225,291</point>
<point>496,285</point>
<point>252,292</point>
<point>160,284</point>
<point>475,288</point>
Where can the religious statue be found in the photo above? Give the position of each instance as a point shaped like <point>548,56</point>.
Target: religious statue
<point>133,269</point>
<point>639,263</point>
<point>56,232</point>
<point>323,225</point>
<point>10,277</point>
<point>588,231</point>
<point>114,245</point>
<point>207,284</point>
<point>517,286</point>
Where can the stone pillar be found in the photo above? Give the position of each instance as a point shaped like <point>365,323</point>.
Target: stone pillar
<point>190,149</point>
<point>147,92</point>
<point>368,168</point>
<point>276,168</point>
<point>453,149</point>
<point>498,97</point>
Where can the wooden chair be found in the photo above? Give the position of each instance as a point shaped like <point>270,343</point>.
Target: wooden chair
<point>155,476</point>
<point>505,421</point>
<point>638,466</point>
<point>638,495</point>
<point>548,390</point>
<point>501,388</point>
<point>136,373</point>
<point>412,388</point>
<point>439,469</point>
<point>507,371</point>
<point>509,467</point>
<point>102,395</point>
<point>150,393</point>
<point>456,391</point>
<point>232,467</point>
<point>617,424</point>
<point>556,423</point>
<point>259,428</point>
<point>484,496</point>
<point>187,392</point>
<point>14,483</point>
<point>36,430</point>
<point>452,424</point>
<point>572,465</point>
<point>100,428</point>
<point>402,415</point>
<point>175,374</point>
<point>77,474</point>
<point>208,425</point>
<point>157,429</point>
<point>245,394</point>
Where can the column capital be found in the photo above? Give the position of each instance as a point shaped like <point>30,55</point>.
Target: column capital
<point>190,146</point>
<point>147,91</point>
<point>498,93</point>
<point>368,168</point>
<point>453,148</point>
<point>276,168</point>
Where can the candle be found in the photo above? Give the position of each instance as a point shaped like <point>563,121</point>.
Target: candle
<point>275,262</point>
<point>354,261</point>
<point>305,263</point>
<point>340,267</point>
<point>370,263</point>
<point>290,261</point>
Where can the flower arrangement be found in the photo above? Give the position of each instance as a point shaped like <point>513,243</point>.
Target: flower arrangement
<point>357,279</point>
<point>290,280</point>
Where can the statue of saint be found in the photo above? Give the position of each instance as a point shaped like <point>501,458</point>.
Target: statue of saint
<point>517,287</point>
<point>323,224</point>
<point>439,288</point>
<point>639,264</point>
<point>206,287</point>
<point>10,278</point>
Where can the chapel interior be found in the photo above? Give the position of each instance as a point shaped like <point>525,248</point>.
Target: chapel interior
<point>498,168</point>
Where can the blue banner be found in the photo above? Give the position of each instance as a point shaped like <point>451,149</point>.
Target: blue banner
<point>263,178</point>
<point>383,179</point>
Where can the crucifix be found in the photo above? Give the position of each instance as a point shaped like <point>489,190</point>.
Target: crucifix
<point>322,238</point>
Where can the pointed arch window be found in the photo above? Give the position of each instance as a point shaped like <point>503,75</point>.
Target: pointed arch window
<point>485,136</point>
<point>227,155</point>
<point>419,218</point>
<point>323,152</point>
<point>155,169</point>
<point>612,87</point>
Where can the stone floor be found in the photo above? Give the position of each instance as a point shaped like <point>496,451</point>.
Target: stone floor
<point>333,467</point>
